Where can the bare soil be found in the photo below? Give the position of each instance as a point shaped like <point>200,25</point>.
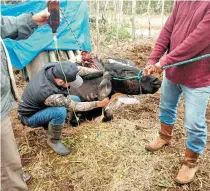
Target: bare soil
<point>111,156</point>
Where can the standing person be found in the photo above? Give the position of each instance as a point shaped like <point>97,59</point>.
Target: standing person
<point>46,100</point>
<point>185,35</point>
<point>19,27</point>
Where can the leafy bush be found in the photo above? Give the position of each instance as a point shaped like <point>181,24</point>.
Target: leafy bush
<point>111,33</point>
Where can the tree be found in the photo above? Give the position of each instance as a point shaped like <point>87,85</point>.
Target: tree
<point>97,26</point>
<point>162,11</point>
<point>133,19</point>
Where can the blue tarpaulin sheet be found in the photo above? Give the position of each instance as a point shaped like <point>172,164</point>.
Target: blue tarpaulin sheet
<point>22,52</point>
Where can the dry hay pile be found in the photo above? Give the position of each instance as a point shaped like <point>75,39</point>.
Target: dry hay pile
<point>111,156</point>
<point>136,52</point>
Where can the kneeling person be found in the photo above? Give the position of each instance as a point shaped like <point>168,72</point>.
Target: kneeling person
<point>46,99</point>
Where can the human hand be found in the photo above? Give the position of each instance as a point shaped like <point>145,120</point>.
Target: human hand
<point>150,69</point>
<point>41,17</point>
<point>159,68</point>
<point>103,103</point>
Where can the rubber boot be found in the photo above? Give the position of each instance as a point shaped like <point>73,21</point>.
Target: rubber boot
<point>165,135</point>
<point>54,140</point>
<point>187,172</point>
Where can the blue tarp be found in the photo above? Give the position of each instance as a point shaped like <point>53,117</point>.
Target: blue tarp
<point>22,52</point>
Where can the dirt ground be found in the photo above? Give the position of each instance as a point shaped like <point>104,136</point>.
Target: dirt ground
<point>111,156</point>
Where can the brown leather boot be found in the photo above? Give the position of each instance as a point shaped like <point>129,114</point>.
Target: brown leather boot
<point>165,135</point>
<point>187,172</point>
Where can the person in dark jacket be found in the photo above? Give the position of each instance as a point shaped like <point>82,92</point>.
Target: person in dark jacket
<point>185,35</point>
<point>19,27</point>
<point>46,100</point>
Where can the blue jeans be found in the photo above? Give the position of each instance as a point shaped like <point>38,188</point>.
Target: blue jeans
<point>54,115</point>
<point>195,104</point>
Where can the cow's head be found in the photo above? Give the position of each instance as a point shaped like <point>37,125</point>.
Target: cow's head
<point>124,77</point>
<point>104,83</point>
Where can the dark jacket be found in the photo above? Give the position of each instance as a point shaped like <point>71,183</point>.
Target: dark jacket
<point>38,90</point>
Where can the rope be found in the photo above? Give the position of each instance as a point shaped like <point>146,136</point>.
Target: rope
<point>56,47</point>
<point>69,25</point>
<point>59,60</point>
<point>187,61</point>
<point>139,76</point>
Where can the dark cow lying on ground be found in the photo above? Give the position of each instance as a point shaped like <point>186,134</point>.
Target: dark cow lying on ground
<point>117,76</point>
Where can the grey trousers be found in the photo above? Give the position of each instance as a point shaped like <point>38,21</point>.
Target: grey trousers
<point>11,168</point>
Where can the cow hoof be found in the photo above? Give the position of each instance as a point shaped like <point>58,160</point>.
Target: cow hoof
<point>108,115</point>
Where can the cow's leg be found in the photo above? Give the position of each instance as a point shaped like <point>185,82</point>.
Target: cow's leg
<point>108,115</point>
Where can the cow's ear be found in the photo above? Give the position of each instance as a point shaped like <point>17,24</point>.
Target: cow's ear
<point>103,62</point>
<point>107,75</point>
<point>105,87</point>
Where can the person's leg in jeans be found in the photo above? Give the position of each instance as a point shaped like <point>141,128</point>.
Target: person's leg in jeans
<point>11,168</point>
<point>170,96</point>
<point>75,98</point>
<point>195,100</point>
<point>169,99</point>
<point>55,117</point>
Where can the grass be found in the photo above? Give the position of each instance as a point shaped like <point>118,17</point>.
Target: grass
<point>111,156</point>
<point>111,33</point>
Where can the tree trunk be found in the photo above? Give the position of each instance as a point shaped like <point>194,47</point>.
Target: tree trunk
<point>116,20</point>
<point>97,27</point>
<point>148,7</point>
<point>104,16</point>
<point>120,12</point>
<point>133,19</point>
<point>149,18</point>
<point>162,12</point>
